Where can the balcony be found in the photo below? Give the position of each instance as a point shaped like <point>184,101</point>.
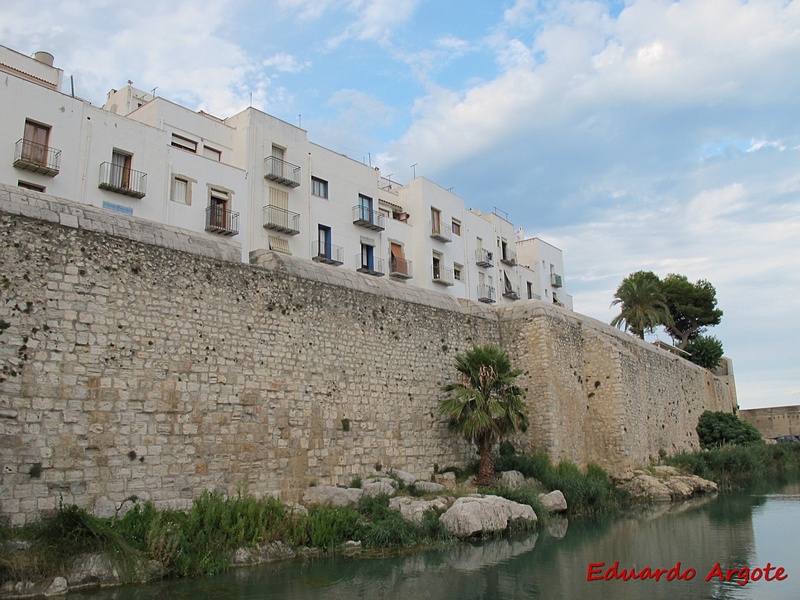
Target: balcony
<point>376,269</point>
<point>486,294</point>
<point>400,268</point>
<point>38,158</point>
<point>555,280</point>
<point>509,257</point>
<point>281,219</point>
<point>281,171</point>
<point>370,219</point>
<point>484,258</point>
<point>443,275</point>
<point>328,254</point>
<point>510,293</point>
<point>117,178</point>
<point>221,221</point>
<point>441,231</point>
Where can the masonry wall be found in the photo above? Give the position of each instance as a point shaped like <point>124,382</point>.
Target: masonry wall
<point>774,422</point>
<point>165,368</point>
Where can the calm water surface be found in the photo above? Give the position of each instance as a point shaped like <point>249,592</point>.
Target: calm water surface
<point>742,530</point>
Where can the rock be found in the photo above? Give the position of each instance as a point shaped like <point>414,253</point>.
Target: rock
<point>428,487</point>
<point>58,587</point>
<point>664,471</point>
<point>554,501</point>
<point>448,480</point>
<point>332,496</point>
<point>389,480</point>
<point>242,556</point>
<point>510,479</point>
<point>404,476</point>
<point>663,483</point>
<point>295,508</point>
<point>126,507</point>
<point>92,569</point>
<point>647,487</point>
<point>413,509</point>
<point>104,508</point>
<point>14,546</point>
<point>376,488</point>
<point>476,514</point>
<point>557,528</point>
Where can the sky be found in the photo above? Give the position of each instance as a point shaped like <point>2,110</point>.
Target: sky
<point>639,135</point>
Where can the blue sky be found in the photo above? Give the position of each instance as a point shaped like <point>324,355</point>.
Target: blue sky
<point>646,134</point>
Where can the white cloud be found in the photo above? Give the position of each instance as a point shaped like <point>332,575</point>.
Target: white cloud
<point>286,63</point>
<point>374,20</point>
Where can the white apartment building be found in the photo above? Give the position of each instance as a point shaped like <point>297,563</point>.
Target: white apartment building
<point>261,182</point>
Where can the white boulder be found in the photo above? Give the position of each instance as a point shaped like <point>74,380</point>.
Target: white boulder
<point>477,514</point>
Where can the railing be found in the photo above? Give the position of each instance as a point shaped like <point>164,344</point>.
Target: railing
<point>510,292</point>
<point>221,221</point>
<point>38,158</point>
<point>122,180</point>
<point>371,219</point>
<point>376,268</point>
<point>280,219</point>
<point>443,275</point>
<point>281,171</point>
<point>483,258</point>
<point>555,280</point>
<point>328,254</point>
<point>509,257</point>
<point>400,268</point>
<point>486,293</point>
<point>442,231</point>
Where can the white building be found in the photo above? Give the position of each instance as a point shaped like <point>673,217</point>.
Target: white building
<point>260,181</point>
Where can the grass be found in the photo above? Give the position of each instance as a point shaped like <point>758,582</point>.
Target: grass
<point>735,467</point>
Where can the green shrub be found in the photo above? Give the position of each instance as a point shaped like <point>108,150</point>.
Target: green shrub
<point>705,351</point>
<point>718,428</point>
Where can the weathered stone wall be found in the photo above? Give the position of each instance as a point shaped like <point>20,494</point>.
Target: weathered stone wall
<point>599,395</point>
<point>773,422</point>
<point>128,368</point>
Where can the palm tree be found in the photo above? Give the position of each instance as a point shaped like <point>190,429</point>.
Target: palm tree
<point>644,305</point>
<point>485,405</point>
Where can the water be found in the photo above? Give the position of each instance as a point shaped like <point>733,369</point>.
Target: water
<point>741,530</point>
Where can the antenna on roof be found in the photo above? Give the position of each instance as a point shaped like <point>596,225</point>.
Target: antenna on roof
<point>414,166</point>
<point>153,93</point>
<point>300,120</point>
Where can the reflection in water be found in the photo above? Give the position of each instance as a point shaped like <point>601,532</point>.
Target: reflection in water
<point>734,530</point>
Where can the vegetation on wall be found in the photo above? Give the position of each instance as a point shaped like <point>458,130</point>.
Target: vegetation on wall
<point>705,351</point>
<point>719,428</point>
<point>485,405</point>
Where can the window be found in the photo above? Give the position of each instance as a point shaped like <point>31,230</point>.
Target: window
<point>121,169</point>
<point>399,264</point>
<point>319,187</point>
<point>437,266</point>
<point>436,220</point>
<point>365,208</point>
<point>219,204</point>
<point>181,191</point>
<point>367,257</point>
<point>30,186</point>
<point>457,270</point>
<point>456,227</point>
<point>324,241</point>
<point>212,153</point>
<point>530,290</point>
<point>34,146</point>
<point>385,213</point>
<point>278,152</point>
<point>184,143</point>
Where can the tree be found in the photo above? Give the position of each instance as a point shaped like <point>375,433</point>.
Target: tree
<point>485,405</point>
<point>692,306</point>
<point>705,351</point>
<point>718,428</point>
<point>643,304</point>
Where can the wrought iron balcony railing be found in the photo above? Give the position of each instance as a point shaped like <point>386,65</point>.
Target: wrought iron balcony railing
<point>509,257</point>
<point>221,221</point>
<point>486,293</point>
<point>38,158</point>
<point>280,219</point>
<point>400,268</point>
<point>122,180</point>
<point>281,171</point>
<point>370,267</point>
<point>443,275</point>
<point>327,254</point>
<point>442,231</point>
<point>371,219</point>
<point>484,258</point>
<point>510,292</point>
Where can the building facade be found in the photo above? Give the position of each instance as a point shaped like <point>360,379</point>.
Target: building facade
<point>261,182</point>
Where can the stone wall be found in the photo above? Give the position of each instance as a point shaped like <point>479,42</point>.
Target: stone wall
<point>132,364</point>
<point>775,421</point>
